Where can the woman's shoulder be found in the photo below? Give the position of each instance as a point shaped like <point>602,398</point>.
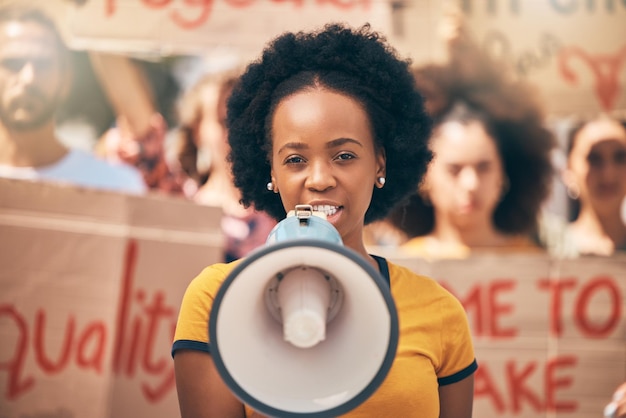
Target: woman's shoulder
<point>402,275</point>
<point>212,276</point>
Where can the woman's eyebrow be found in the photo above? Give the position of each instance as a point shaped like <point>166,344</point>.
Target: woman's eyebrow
<point>293,146</point>
<point>341,141</point>
<point>331,144</point>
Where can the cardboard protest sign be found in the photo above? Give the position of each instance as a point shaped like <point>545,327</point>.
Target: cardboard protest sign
<point>90,286</point>
<point>550,335</point>
<point>573,51</point>
<point>179,27</point>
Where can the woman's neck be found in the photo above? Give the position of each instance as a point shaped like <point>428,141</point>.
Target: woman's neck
<point>590,225</point>
<point>477,235</point>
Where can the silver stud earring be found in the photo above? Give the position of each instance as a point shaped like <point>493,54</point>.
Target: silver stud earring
<point>270,186</point>
<point>381,182</point>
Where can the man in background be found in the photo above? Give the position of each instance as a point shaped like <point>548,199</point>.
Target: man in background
<point>34,80</point>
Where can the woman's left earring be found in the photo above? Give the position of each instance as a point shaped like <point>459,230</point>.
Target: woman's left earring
<point>381,182</point>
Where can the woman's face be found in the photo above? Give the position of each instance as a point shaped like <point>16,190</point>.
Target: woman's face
<point>597,163</point>
<point>464,182</point>
<point>323,154</point>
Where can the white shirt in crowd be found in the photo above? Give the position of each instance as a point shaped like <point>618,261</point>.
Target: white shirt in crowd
<point>81,168</point>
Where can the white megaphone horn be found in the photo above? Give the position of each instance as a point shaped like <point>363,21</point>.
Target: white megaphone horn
<point>303,326</point>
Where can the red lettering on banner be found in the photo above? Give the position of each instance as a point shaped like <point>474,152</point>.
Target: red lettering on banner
<point>202,17</point>
<point>95,334</point>
<point>122,313</point>
<point>156,312</point>
<point>553,383</point>
<point>483,305</point>
<point>589,289</point>
<point>137,350</point>
<point>136,335</point>
<point>203,8</point>
<point>555,289</point>
<point>109,8</point>
<point>17,384</point>
<point>520,392</point>
<point>156,4</point>
<point>605,69</point>
<point>347,4</point>
<point>497,310</point>
<point>582,297</point>
<point>47,365</point>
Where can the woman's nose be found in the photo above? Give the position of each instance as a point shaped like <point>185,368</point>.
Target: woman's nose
<point>320,177</point>
<point>469,178</point>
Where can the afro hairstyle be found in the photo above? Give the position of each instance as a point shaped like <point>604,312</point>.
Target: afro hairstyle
<point>357,62</point>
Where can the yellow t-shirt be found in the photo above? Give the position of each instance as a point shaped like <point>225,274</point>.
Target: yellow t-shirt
<point>434,348</point>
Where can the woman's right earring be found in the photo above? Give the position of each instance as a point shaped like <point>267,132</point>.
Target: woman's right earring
<point>270,186</point>
<point>573,191</point>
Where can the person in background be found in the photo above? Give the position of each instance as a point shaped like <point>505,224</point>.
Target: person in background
<point>203,155</point>
<point>595,178</point>
<point>617,407</point>
<point>34,81</point>
<point>492,167</point>
<point>332,119</point>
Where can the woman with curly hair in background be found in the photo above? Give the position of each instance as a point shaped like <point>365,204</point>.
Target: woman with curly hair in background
<point>492,167</point>
<point>332,119</point>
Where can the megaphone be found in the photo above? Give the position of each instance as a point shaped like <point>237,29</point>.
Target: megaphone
<point>303,326</point>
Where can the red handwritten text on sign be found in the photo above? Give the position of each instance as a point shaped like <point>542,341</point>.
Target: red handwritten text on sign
<point>512,387</point>
<point>513,391</point>
<point>604,68</point>
<point>486,306</point>
<point>198,12</point>
<point>136,333</point>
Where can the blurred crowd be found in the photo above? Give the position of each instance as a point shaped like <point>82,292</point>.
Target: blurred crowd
<point>495,163</point>
<point>487,187</point>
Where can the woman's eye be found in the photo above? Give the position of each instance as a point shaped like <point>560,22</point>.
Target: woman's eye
<point>345,156</point>
<point>595,160</point>
<point>294,159</point>
<point>483,167</point>
<point>620,157</point>
<point>454,169</point>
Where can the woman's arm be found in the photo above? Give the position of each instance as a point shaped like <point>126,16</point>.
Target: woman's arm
<point>456,400</point>
<point>201,391</point>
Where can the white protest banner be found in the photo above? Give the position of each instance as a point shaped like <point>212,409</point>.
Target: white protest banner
<point>90,285</point>
<point>550,335</point>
